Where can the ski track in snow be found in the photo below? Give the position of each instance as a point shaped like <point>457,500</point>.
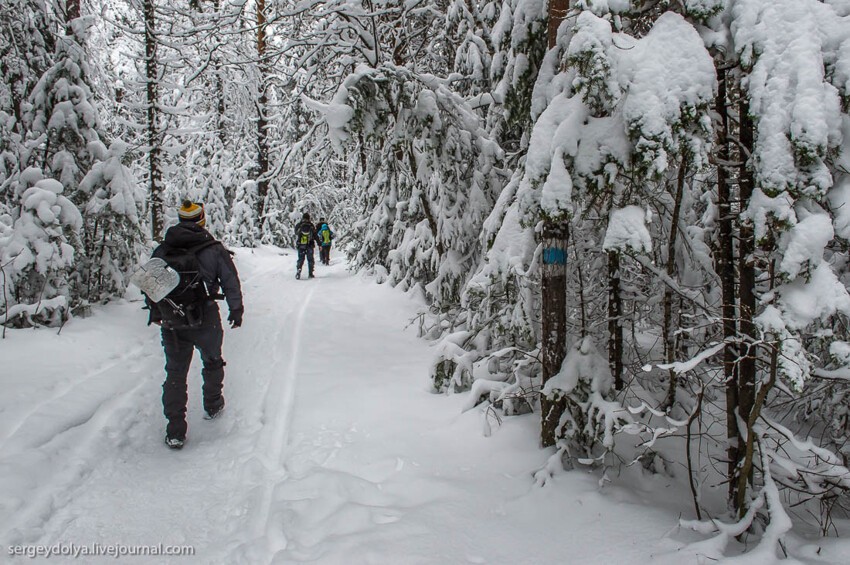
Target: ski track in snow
<point>63,392</point>
<point>277,414</point>
<point>62,445</point>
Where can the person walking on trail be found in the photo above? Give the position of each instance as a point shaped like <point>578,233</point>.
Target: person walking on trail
<point>305,238</point>
<point>190,317</point>
<point>325,237</point>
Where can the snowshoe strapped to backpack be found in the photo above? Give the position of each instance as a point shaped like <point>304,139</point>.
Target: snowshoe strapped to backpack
<point>183,307</point>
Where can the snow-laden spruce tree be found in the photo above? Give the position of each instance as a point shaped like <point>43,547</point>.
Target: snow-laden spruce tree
<point>519,41</point>
<point>209,173</point>
<point>26,52</point>
<point>275,227</point>
<point>243,227</point>
<point>37,253</point>
<point>61,118</point>
<point>113,234</point>
<point>10,149</point>
<point>501,46</point>
<point>59,133</point>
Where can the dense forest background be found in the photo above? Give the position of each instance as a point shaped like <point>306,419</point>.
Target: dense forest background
<point>629,217</point>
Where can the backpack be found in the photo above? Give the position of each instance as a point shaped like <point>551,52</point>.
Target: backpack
<point>325,232</point>
<point>305,234</point>
<point>183,307</point>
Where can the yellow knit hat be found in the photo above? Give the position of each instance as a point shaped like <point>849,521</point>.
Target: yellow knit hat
<point>191,212</point>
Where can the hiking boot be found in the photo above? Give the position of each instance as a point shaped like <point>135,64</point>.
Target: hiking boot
<point>312,276</point>
<point>298,275</point>
<point>214,413</point>
<point>174,442</point>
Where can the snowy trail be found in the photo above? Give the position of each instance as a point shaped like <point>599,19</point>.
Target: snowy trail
<point>331,449</point>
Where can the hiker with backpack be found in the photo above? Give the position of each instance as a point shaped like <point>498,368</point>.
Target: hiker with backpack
<point>189,316</point>
<point>305,238</point>
<point>325,237</point>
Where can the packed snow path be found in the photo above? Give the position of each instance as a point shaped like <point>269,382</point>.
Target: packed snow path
<point>331,449</point>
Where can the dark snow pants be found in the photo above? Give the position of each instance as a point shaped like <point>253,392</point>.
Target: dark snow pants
<point>325,254</point>
<point>179,346</point>
<point>308,253</point>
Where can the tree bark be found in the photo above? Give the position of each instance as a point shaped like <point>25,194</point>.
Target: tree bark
<point>557,13</point>
<point>582,302</point>
<point>262,116</point>
<point>153,133</point>
<point>221,107</point>
<point>554,321</point>
<point>747,295</point>
<point>726,271</point>
<point>615,317</point>
<point>668,329</point>
<point>72,12</point>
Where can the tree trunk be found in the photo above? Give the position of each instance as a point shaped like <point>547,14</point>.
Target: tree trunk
<point>262,116</point>
<point>557,13</point>
<point>554,321</point>
<point>615,318</point>
<point>726,271</point>
<point>153,133</point>
<point>582,302</point>
<point>668,326</point>
<point>72,12</point>
<point>219,90</point>
<point>747,295</point>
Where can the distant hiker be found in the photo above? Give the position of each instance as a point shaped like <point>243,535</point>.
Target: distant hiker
<point>305,239</point>
<point>190,318</point>
<point>325,237</point>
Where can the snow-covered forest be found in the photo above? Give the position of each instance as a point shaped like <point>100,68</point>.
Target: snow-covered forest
<point>628,220</point>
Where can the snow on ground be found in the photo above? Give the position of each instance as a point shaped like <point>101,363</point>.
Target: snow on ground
<point>331,449</point>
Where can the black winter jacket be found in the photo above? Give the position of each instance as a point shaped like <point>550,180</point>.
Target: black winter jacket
<point>217,268</point>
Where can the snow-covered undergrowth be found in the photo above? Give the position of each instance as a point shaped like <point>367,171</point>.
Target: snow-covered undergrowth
<point>332,448</point>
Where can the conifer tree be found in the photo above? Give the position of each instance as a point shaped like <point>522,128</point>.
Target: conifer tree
<point>37,253</point>
<point>243,228</point>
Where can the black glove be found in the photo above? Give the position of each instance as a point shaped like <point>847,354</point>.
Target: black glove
<point>154,317</point>
<point>235,317</point>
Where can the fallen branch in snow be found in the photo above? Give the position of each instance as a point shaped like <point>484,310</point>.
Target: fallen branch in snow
<point>715,547</point>
<point>480,388</point>
<point>842,374</point>
<point>685,366</point>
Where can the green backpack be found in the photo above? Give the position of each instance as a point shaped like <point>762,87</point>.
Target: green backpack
<point>326,234</point>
